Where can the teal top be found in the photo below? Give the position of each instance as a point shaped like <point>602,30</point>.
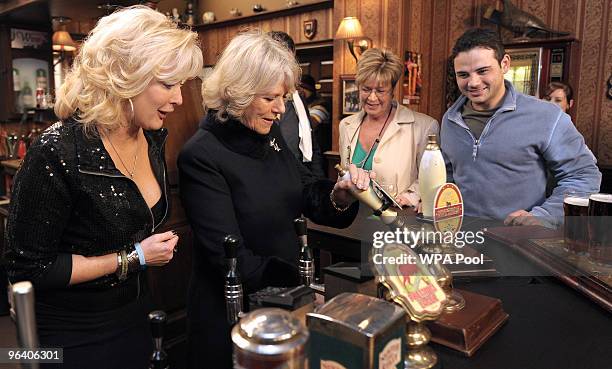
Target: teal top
<point>360,155</point>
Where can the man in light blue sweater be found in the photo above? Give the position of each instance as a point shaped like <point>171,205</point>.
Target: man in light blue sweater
<point>498,143</point>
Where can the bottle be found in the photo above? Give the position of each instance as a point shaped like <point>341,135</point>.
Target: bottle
<point>26,96</point>
<point>159,358</point>
<point>233,286</point>
<point>432,175</point>
<point>40,97</point>
<point>41,79</point>
<point>21,147</point>
<point>189,18</point>
<point>370,198</point>
<point>306,261</point>
<point>16,81</point>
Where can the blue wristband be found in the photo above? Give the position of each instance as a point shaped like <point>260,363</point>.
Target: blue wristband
<point>141,258</point>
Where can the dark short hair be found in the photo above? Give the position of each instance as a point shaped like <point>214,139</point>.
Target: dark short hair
<point>479,37</point>
<point>569,92</point>
<point>308,82</point>
<point>284,39</point>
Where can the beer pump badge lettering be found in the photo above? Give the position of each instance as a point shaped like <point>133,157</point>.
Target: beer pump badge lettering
<point>448,208</point>
<point>391,355</point>
<point>411,285</point>
<point>330,364</point>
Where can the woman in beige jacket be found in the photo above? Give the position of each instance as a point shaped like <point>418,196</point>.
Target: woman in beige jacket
<point>384,136</point>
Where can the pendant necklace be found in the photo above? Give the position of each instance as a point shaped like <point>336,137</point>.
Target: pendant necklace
<point>133,171</point>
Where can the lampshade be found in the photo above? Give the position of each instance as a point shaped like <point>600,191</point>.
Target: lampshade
<point>349,28</point>
<point>62,41</point>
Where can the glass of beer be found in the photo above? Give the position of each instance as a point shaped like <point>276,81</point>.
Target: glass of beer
<point>600,229</point>
<point>575,229</point>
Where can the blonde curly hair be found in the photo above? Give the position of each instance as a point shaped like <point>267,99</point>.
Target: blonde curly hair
<point>121,56</point>
<point>252,63</point>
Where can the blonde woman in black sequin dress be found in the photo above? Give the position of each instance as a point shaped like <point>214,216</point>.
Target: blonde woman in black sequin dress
<point>92,191</point>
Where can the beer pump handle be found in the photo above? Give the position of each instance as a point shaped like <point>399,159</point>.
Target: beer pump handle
<point>230,246</point>
<point>233,286</point>
<point>306,261</point>
<point>159,359</point>
<point>157,319</point>
<point>23,304</point>
<point>300,226</point>
<point>370,198</point>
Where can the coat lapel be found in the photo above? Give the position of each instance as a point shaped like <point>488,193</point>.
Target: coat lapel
<point>401,116</point>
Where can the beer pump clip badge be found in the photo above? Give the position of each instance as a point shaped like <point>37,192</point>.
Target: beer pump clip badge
<point>448,208</point>
<point>409,282</point>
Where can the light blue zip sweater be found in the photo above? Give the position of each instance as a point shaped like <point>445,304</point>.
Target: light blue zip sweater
<point>505,169</point>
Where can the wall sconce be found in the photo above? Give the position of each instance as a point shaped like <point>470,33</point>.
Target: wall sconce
<point>351,31</point>
<point>61,40</point>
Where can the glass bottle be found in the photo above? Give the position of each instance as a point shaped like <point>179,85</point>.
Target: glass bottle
<point>432,174</point>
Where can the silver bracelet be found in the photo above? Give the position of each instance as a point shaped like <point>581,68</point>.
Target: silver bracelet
<point>133,262</point>
<point>122,265</point>
<point>331,198</point>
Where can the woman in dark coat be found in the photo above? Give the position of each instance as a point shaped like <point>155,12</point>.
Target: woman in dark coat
<point>237,176</point>
<point>92,191</point>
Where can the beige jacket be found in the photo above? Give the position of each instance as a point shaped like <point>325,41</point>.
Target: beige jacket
<point>399,151</point>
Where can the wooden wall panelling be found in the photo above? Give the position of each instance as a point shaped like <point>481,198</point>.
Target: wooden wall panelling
<point>209,47</point>
<point>540,8</point>
<point>569,17</point>
<point>603,130</point>
<point>417,22</point>
<point>324,25</point>
<point>391,33</point>
<point>441,13</point>
<point>214,39</point>
<point>6,73</point>
<point>182,124</point>
<point>278,24</point>
<point>339,53</point>
<point>588,104</point>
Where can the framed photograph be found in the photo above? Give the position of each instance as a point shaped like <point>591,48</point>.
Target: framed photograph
<point>525,69</point>
<point>350,94</point>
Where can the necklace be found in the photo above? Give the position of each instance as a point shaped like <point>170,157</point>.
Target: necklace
<point>133,171</point>
<point>374,145</point>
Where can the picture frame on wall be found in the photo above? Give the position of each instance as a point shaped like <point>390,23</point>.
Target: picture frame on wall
<point>350,94</point>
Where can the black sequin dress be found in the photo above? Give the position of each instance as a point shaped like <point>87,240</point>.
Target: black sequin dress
<point>69,198</point>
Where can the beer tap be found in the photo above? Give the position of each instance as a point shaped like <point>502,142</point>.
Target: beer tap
<point>159,358</point>
<point>380,206</point>
<point>233,286</point>
<point>23,304</point>
<point>306,261</point>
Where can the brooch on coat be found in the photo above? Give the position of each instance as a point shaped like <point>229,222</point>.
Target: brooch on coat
<point>274,145</point>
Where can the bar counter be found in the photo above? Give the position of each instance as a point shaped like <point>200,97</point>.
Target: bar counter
<point>551,325</point>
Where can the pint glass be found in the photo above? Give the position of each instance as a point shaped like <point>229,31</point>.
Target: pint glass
<point>600,229</point>
<point>575,232</point>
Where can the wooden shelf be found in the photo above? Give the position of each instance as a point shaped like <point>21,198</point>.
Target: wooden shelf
<point>323,4</point>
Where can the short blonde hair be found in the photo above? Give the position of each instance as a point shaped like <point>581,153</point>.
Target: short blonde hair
<point>381,65</point>
<point>121,56</point>
<point>252,63</point>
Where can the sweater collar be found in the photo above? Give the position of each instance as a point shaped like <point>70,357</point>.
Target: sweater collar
<point>508,104</point>
<point>238,138</point>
